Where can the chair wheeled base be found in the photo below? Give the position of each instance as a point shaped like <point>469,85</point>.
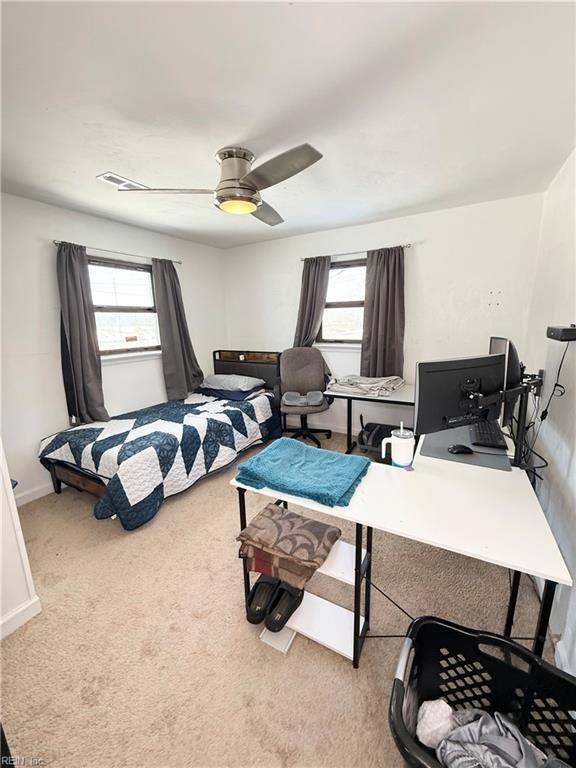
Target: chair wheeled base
<point>307,433</point>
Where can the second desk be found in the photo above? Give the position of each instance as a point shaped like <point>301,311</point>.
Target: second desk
<point>404,395</point>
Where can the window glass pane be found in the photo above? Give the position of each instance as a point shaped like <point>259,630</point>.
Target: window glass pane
<point>127,330</point>
<point>346,284</point>
<point>343,323</point>
<point>116,287</point>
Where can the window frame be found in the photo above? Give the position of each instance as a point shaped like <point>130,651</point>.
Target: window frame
<point>130,265</point>
<point>344,264</point>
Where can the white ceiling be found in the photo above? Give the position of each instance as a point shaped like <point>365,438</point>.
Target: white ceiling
<point>415,106</point>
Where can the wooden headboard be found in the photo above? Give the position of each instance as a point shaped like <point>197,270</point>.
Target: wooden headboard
<point>262,365</point>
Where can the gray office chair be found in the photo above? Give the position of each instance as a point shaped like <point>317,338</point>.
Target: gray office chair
<point>302,371</point>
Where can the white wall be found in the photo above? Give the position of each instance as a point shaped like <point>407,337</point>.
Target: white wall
<point>467,277</point>
<point>553,302</point>
<point>33,402</point>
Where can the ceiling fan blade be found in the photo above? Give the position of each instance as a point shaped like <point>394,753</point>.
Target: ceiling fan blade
<point>268,215</point>
<point>282,167</point>
<point>170,191</point>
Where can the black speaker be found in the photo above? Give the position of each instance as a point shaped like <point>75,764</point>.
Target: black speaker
<point>562,332</point>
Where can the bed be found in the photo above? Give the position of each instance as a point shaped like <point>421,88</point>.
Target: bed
<point>136,460</point>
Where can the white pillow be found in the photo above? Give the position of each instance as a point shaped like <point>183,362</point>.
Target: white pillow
<point>232,381</point>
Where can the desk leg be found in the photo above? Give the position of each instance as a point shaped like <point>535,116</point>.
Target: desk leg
<point>242,508</point>
<point>544,617</point>
<point>512,603</point>
<point>350,444</point>
<point>369,533</point>
<point>357,594</point>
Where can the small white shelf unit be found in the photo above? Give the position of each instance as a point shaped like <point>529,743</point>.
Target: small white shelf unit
<point>326,623</point>
<point>319,619</point>
<point>332,626</point>
<point>340,562</point>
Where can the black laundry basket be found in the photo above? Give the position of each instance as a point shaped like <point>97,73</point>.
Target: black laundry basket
<point>479,670</point>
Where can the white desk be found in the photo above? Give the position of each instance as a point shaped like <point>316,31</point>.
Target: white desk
<point>478,512</point>
<point>404,395</point>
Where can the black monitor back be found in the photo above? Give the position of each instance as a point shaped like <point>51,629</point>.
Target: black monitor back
<point>443,389</point>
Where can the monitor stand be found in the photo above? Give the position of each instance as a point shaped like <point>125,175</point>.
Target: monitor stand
<point>436,447</point>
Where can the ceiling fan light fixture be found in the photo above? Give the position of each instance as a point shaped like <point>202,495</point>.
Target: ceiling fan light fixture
<point>237,205</point>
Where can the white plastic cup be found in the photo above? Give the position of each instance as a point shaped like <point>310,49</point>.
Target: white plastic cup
<point>402,442</point>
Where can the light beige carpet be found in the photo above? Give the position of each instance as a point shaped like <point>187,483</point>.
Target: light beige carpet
<point>142,655</point>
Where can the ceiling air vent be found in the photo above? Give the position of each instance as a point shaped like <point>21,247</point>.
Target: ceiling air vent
<point>120,181</point>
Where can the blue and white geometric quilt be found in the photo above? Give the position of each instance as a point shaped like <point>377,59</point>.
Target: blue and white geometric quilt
<point>147,455</point>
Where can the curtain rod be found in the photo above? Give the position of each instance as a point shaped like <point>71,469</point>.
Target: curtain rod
<point>119,253</point>
<point>358,253</point>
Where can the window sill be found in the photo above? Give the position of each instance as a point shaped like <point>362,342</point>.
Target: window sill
<point>334,345</point>
<point>129,357</point>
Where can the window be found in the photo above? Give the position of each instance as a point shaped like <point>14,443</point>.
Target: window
<point>124,306</point>
<point>344,311</point>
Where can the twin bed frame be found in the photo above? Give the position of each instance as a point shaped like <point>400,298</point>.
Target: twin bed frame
<point>261,365</point>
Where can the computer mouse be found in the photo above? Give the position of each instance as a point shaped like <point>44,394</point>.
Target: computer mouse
<point>459,449</point>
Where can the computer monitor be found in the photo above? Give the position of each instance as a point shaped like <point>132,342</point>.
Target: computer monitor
<point>443,390</point>
<point>500,345</point>
<point>512,377</point>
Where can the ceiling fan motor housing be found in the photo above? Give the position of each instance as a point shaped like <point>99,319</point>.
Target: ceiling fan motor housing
<point>235,162</point>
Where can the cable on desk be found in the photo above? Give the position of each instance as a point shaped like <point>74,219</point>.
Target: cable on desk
<point>558,390</point>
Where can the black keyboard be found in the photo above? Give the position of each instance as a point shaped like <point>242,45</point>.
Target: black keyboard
<point>487,434</point>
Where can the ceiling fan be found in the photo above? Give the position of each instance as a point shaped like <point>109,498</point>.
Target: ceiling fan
<point>238,190</point>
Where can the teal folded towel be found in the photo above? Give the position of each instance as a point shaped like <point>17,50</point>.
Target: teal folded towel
<point>289,466</point>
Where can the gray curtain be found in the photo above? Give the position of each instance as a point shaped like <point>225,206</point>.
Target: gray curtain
<point>312,300</point>
<point>182,374</point>
<point>81,368</point>
<point>383,333</point>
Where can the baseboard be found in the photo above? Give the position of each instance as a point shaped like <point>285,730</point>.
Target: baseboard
<point>20,615</point>
<point>34,493</point>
